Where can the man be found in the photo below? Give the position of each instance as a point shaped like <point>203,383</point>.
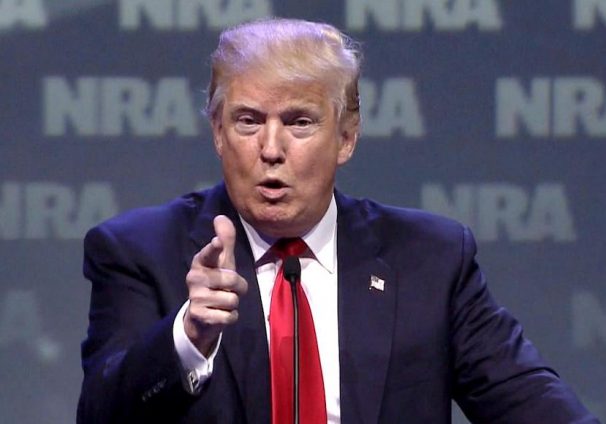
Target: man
<point>402,322</point>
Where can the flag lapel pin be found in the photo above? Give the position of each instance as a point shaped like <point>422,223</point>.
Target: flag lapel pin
<point>376,283</point>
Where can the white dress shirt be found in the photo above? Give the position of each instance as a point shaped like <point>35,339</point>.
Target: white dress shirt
<point>319,282</point>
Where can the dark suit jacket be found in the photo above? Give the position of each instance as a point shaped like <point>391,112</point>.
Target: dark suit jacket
<point>434,334</point>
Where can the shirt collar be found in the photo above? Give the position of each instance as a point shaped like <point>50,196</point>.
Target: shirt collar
<point>321,239</point>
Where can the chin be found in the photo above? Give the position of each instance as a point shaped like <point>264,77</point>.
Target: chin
<point>276,227</point>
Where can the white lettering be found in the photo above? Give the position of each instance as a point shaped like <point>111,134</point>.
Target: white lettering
<point>579,104</point>
<point>129,98</point>
<point>173,108</point>
<point>97,203</point>
<point>505,211</point>
<point>384,13</point>
<point>560,107</point>
<point>27,13</point>
<point>461,206</point>
<point>501,207</point>
<point>21,322</point>
<point>587,13</point>
<point>189,15</point>
<point>61,106</point>
<point>549,214</point>
<point>588,321</point>
<point>20,319</point>
<point>397,110</point>
<point>515,107</point>
<point>220,13</point>
<point>415,15</point>
<point>44,210</point>
<point>116,106</point>
<point>159,14</point>
<point>10,211</point>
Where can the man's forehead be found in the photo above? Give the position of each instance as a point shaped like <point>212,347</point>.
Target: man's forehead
<point>262,93</point>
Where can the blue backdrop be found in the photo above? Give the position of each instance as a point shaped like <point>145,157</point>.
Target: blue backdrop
<point>489,111</point>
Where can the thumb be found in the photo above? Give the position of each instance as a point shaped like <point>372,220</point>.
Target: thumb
<point>226,233</point>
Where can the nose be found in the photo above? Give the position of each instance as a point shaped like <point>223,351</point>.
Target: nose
<point>272,141</point>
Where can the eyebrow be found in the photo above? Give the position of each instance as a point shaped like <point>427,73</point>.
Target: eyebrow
<point>294,111</point>
<point>239,109</point>
<point>305,108</point>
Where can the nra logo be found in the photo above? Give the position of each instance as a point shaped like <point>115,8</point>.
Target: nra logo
<point>113,106</point>
<point>189,15</point>
<point>391,107</point>
<point>503,211</point>
<point>550,107</point>
<point>48,210</point>
<point>417,15</point>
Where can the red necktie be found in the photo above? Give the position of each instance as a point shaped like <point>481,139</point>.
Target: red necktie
<point>312,404</point>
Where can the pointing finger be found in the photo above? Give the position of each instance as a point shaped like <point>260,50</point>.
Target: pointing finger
<point>226,234</point>
<point>219,252</point>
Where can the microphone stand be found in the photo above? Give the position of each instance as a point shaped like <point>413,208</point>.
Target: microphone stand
<point>292,272</point>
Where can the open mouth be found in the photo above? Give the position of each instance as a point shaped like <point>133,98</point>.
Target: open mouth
<point>273,184</point>
<point>273,189</point>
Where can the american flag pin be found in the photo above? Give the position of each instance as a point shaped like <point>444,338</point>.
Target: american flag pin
<point>376,283</point>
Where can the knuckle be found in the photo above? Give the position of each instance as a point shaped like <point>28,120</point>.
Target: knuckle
<point>230,301</point>
<point>197,293</point>
<point>206,317</point>
<point>190,277</point>
<point>243,286</point>
<point>197,277</point>
<point>234,301</point>
<point>232,279</point>
<point>233,316</point>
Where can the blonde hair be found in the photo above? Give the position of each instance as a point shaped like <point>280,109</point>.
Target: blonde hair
<point>292,51</point>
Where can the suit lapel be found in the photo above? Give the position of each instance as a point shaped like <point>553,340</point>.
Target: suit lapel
<point>244,343</point>
<point>366,315</point>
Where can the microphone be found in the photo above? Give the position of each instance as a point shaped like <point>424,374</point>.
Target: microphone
<point>292,273</point>
<point>292,270</point>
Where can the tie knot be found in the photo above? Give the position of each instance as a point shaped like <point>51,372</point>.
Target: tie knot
<point>289,247</point>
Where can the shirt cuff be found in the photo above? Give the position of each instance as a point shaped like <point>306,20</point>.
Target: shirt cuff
<point>196,367</point>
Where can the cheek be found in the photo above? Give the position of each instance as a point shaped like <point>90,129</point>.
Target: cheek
<point>237,148</point>
<point>240,158</point>
<point>319,171</point>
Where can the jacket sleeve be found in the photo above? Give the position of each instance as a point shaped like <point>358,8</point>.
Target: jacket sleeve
<point>499,376</point>
<point>131,370</point>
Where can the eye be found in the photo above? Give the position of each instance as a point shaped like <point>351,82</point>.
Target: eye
<point>303,125</point>
<point>246,120</point>
<point>246,124</point>
<point>302,122</point>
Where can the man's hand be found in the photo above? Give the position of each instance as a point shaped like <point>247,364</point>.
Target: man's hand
<point>214,288</point>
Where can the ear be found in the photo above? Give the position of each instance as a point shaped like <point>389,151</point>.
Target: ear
<point>348,138</point>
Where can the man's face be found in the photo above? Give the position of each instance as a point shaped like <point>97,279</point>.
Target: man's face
<point>280,145</point>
